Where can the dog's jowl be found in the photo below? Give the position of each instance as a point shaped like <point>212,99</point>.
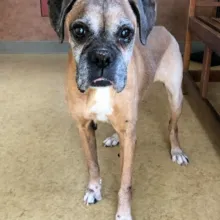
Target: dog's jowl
<point>116,53</point>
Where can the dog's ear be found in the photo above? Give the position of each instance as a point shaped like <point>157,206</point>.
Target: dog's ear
<point>145,12</point>
<point>58,9</point>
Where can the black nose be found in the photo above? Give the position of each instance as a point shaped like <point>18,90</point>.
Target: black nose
<point>101,58</point>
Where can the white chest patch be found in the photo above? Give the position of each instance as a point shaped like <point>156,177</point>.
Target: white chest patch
<point>102,107</point>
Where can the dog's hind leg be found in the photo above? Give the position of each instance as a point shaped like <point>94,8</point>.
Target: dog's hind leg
<point>170,72</point>
<point>88,142</point>
<point>175,99</point>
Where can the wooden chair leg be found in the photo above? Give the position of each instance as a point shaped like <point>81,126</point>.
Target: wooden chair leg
<point>205,72</point>
<point>188,39</point>
<point>187,52</point>
<point>186,58</point>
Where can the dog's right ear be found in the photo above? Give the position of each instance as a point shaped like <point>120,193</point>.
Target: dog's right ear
<point>58,9</point>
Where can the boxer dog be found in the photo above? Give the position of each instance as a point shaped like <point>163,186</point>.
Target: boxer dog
<point>116,53</point>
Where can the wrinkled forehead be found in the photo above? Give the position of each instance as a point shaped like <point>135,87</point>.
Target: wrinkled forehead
<point>108,14</point>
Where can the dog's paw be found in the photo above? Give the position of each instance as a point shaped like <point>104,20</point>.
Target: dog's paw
<point>91,197</point>
<point>123,217</point>
<point>111,141</point>
<point>179,157</point>
<point>93,194</point>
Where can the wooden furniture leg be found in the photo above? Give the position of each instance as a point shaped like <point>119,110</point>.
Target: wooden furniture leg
<point>188,39</point>
<point>187,52</point>
<point>205,72</point>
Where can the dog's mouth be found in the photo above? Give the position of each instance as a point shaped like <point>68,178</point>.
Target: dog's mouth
<point>101,82</point>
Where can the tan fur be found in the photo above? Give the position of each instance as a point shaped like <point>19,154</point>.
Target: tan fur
<point>159,60</point>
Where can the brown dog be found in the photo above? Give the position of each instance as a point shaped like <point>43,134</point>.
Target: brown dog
<point>115,54</point>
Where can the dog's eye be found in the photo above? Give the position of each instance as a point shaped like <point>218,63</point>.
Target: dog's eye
<point>125,34</point>
<point>79,31</point>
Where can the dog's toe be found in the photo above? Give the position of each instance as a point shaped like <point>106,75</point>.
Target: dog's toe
<point>111,141</point>
<point>92,197</point>
<point>179,157</point>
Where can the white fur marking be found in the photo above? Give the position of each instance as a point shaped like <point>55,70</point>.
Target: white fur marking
<point>93,193</point>
<point>179,157</point>
<point>111,141</point>
<point>102,107</point>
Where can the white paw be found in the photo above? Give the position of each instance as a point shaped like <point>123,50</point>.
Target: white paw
<point>179,157</point>
<point>123,217</point>
<point>93,194</point>
<point>111,141</point>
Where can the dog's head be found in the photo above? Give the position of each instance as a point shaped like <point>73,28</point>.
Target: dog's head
<point>102,35</point>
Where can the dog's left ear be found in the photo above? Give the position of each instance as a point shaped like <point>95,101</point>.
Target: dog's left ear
<point>58,9</point>
<point>145,12</point>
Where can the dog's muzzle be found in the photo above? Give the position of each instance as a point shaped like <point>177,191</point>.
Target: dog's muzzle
<point>101,60</point>
<point>101,65</point>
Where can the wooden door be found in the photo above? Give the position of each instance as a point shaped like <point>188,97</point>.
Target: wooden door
<point>44,8</point>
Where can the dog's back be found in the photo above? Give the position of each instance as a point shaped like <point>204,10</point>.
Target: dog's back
<point>165,53</point>
<point>161,57</point>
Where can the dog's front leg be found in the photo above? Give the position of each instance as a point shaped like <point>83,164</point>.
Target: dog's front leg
<point>127,135</point>
<point>88,142</point>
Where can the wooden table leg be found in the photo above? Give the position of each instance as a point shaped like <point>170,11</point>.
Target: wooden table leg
<point>205,72</point>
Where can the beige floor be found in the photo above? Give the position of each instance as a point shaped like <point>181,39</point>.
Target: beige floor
<point>213,89</point>
<point>42,169</point>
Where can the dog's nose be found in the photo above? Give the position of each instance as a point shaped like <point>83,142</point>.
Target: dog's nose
<point>101,58</point>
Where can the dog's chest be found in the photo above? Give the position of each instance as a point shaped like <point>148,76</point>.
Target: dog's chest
<point>102,104</point>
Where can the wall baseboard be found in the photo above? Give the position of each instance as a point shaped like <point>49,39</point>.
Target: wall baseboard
<point>36,47</point>
<point>51,47</point>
